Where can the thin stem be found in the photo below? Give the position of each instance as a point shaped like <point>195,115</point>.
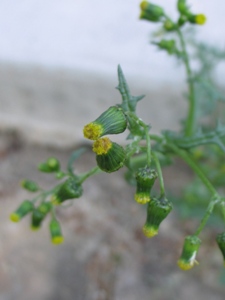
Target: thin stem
<point>191,118</point>
<point>53,213</point>
<point>159,171</point>
<point>91,172</point>
<point>138,122</point>
<point>186,157</point>
<point>44,194</point>
<point>206,216</point>
<point>148,143</point>
<point>223,208</point>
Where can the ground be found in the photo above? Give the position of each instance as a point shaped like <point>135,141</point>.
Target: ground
<point>105,256</point>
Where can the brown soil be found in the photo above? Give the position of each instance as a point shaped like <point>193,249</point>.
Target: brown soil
<point>105,256</point>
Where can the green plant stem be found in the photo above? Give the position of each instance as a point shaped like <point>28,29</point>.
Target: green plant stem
<point>206,216</point>
<point>186,157</point>
<point>223,208</point>
<point>215,196</point>
<point>44,194</point>
<point>190,125</point>
<point>148,141</point>
<point>159,171</point>
<point>91,172</point>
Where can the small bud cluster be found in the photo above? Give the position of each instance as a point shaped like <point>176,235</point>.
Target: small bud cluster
<point>38,214</point>
<point>44,204</point>
<point>155,13</point>
<point>187,16</point>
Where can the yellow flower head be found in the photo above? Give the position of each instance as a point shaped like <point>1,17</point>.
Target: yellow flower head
<point>92,131</point>
<point>102,146</point>
<point>149,231</point>
<point>57,240</point>
<point>200,19</point>
<point>14,217</point>
<point>142,198</point>
<point>144,5</point>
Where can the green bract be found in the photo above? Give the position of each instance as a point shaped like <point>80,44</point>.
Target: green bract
<point>157,211</point>
<point>190,248</point>
<point>145,178</point>
<point>70,189</point>
<point>220,239</point>
<point>56,233</point>
<point>39,214</point>
<point>25,208</point>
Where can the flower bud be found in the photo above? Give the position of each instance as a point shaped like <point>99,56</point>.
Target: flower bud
<point>220,239</point>
<point>182,20</point>
<point>182,7</point>
<point>110,156</point>
<point>55,231</point>
<point>70,189</point>
<point>199,19</point>
<point>190,249</point>
<point>39,214</point>
<point>169,25</point>
<point>29,185</point>
<point>157,211</point>
<point>50,166</point>
<point>112,121</point>
<point>151,12</point>
<point>168,45</point>
<point>22,211</point>
<point>145,179</point>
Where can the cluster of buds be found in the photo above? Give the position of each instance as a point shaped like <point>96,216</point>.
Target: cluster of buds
<point>38,215</point>
<point>187,16</point>
<point>158,209</point>
<point>109,155</point>
<point>145,178</point>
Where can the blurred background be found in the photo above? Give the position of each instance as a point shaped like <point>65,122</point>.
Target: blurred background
<point>59,64</point>
<point>58,71</point>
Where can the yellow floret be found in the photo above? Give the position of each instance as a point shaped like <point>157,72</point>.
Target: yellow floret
<point>143,5</point>
<point>141,198</point>
<point>187,265</point>
<point>200,19</point>
<point>102,146</point>
<point>149,231</point>
<point>14,217</point>
<point>92,131</point>
<point>56,240</point>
